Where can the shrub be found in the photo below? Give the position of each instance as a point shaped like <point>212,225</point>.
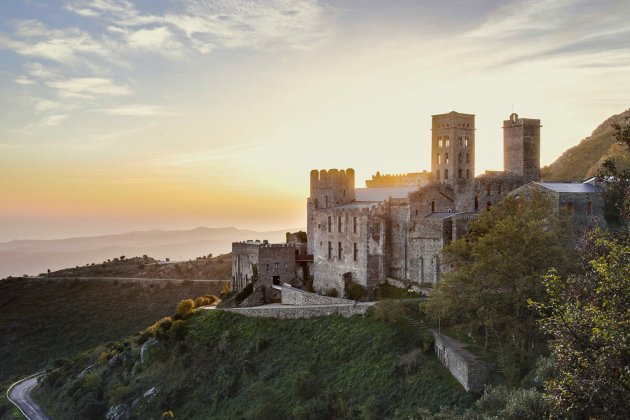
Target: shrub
<point>306,385</point>
<point>244,294</point>
<point>206,300</point>
<point>186,308</point>
<point>355,291</point>
<point>178,331</point>
<point>389,311</point>
<point>119,394</point>
<point>410,362</point>
<point>168,415</point>
<point>92,381</point>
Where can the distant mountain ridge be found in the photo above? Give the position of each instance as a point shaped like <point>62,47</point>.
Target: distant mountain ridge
<point>583,161</point>
<point>34,256</point>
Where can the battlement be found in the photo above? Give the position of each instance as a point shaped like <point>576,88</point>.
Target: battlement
<point>411,179</point>
<point>332,187</point>
<point>516,121</point>
<point>263,244</point>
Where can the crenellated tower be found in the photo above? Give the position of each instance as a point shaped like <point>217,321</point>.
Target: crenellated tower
<point>521,147</point>
<point>329,188</point>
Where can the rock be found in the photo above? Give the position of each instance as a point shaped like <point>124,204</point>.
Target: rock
<point>144,350</point>
<point>85,371</point>
<point>118,412</point>
<point>115,361</point>
<point>150,393</point>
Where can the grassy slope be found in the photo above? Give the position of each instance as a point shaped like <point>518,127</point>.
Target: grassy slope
<point>583,160</point>
<point>43,319</point>
<point>230,366</point>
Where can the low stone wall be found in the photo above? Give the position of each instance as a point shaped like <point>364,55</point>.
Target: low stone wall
<point>293,296</point>
<point>471,373</point>
<point>291,311</point>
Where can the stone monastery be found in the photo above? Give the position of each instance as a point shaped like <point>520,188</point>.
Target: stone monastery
<point>393,230</point>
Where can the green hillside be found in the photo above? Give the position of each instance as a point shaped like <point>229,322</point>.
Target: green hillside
<point>582,161</point>
<point>220,365</point>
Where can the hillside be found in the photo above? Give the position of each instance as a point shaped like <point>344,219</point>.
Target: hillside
<point>43,320</point>
<point>221,365</point>
<point>582,161</point>
<point>201,268</point>
<point>33,257</point>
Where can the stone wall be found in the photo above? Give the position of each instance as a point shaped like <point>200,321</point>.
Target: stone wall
<point>276,264</point>
<point>286,312</point>
<point>244,258</point>
<point>293,296</point>
<point>471,373</point>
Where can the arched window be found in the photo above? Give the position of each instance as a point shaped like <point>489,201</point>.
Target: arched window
<point>459,158</point>
<point>459,174</point>
<point>446,158</point>
<point>439,143</point>
<point>432,206</point>
<point>445,173</point>
<point>467,157</point>
<point>439,159</point>
<point>476,203</point>
<point>499,189</point>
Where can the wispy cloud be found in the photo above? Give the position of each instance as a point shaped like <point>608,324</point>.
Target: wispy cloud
<point>52,120</point>
<point>89,87</point>
<point>139,110</point>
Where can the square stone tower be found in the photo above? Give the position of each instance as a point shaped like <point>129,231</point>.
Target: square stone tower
<point>453,148</point>
<point>521,147</point>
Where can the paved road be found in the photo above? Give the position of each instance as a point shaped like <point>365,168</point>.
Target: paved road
<point>20,395</point>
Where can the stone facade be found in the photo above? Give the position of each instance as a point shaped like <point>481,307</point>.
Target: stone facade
<point>287,312</point>
<point>397,227</point>
<point>471,373</point>
<point>294,296</point>
<point>274,263</point>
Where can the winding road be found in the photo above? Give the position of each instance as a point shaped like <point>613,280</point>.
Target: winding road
<point>20,394</point>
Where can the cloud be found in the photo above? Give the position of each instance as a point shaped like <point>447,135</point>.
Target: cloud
<point>43,105</point>
<point>138,110</point>
<point>210,24</point>
<point>159,40</point>
<point>24,81</point>
<point>52,120</point>
<point>88,88</point>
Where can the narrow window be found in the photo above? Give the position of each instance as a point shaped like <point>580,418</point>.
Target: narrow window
<point>466,142</point>
<point>355,251</point>
<point>499,189</point>
<point>329,224</point>
<point>329,250</point>
<point>354,225</point>
<point>267,267</point>
<point>461,141</point>
<point>277,264</point>
<point>488,205</point>
<point>439,159</point>
<point>488,189</point>
<point>448,142</point>
<point>339,251</point>
<point>476,203</point>
<point>468,173</point>
<point>344,193</point>
<point>445,173</point>
<point>339,224</point>
<point>416,212</point>
<point>439,143</point>
<point>467,157</point>
<point>326,201</point>
<point>460,158</point>
<point>432,206</point>
<point>446,158</point>
<point>589,208</point>
<point>570,207</point>
<point>459,173</point>
<point>438,174</point>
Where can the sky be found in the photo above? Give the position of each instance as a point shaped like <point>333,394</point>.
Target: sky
<point>121,115</point>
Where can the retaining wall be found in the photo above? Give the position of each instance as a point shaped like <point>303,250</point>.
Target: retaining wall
<point>471,373</point>
<point>286,311</point>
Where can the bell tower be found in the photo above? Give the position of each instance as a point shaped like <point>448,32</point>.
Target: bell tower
<point>453,148</point>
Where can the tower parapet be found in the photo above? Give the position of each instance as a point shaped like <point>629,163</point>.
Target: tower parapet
<point>332,187</point>
<point>521,147</point>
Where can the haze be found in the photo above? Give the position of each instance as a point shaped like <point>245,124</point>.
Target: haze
<point>121,115</point>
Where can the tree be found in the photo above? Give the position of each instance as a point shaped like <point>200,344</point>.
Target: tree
<point>587,316</point>
<point>495,269</point>
<point>616,181</point>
